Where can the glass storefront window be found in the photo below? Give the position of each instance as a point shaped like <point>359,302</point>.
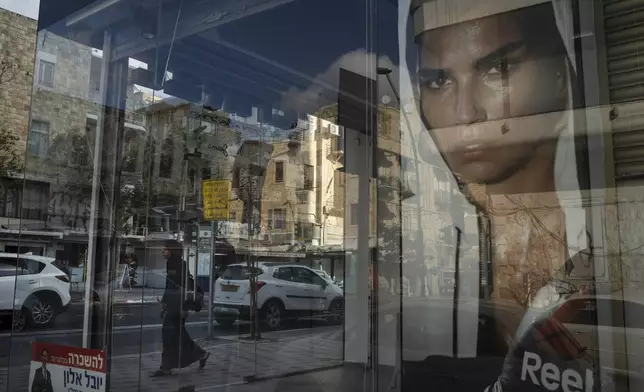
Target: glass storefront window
<point>324,195</point>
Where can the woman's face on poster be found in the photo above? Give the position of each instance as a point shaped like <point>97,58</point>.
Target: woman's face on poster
<point>486,87</point>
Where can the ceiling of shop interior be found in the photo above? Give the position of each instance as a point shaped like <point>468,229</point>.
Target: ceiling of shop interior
<point>213,45</point>
<point>250,53</point>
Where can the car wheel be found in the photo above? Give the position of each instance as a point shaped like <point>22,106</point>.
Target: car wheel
<point>18,321</point>
<point>273,314</point>
<point>225,322</point>
<point>42,313</point>
<point>336,312</point>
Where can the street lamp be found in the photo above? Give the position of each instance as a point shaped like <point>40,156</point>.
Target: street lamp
<point>387,73</point>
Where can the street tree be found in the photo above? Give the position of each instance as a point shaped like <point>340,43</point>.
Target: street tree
<point>13,69</point>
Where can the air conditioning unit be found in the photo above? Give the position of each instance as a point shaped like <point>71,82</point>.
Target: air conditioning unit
<point>328,129</point>
<point>334,129</point>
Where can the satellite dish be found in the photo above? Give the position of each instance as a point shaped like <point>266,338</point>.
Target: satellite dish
<point>386,99</point>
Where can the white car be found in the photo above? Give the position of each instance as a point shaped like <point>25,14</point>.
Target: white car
<point>324,275</point>
<point>284,291</point>
<point>611,328</point>
<point>328,277</point>
<point>33,291</point>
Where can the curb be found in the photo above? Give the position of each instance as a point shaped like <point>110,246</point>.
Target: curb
<point>253,379</point>
<point>246,340</point>
<point>121,301</point>
<point>148,300</point>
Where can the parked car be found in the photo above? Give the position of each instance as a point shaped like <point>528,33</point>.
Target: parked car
<point>33,291</point>
<point>324,275</point>
<point>283,291</point>
<point>328,277</point>
<point>615,323</point>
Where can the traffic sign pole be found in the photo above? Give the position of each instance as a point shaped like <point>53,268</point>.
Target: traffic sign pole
<point>216,199</point>
<point>211,273</point>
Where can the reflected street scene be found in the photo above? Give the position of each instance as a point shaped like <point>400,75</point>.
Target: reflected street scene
<point>322,195</point>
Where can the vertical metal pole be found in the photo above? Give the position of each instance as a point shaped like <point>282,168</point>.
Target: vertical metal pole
<point>484,253</point>
<point>458,221</point>
<point>364,252</point>
<point>194,280</point>
<point>257,196</point>
<point>94,206</point>
<point>104,214</point>
<point>457,287</point>
<point>211,273</point>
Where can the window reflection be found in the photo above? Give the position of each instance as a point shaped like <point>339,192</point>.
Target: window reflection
<point>430,177</point>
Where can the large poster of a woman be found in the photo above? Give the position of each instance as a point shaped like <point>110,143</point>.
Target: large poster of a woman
<point>491,99</point>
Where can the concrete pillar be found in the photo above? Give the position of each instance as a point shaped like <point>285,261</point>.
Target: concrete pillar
<point>356,282</point>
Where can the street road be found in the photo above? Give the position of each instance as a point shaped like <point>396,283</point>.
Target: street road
<point>137,329</point>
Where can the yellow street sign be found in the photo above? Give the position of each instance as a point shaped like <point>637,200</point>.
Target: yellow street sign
<point>216,197</point>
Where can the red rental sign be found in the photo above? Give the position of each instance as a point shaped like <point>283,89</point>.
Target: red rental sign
<point>76,357</point>
<point>72,369</point>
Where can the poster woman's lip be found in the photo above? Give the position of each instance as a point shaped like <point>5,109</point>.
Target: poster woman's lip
<point>471,151</point>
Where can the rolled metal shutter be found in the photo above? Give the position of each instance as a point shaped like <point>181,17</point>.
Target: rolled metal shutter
<point>624,29</point>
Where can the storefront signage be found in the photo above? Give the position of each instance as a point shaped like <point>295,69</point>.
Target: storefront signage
<point>216,196</point>
<point>63,368</point>
<point>233,230</point>
<point>222,149</point>
<point>226,230</point>
<point>552,378</point>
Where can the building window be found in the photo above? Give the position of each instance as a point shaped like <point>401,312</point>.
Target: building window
<point>34,200</point>
<point>46,73</point>
<point>339,178</point>
<point>442,190</point>
<point>10,199</point>
<point>355,213</point>
<point>279,172</point>
<point>304,231</point>
<point>167,158</point>
<point>277,219</point>
<point>131,151</point>
<point>192,180</point>
<point>308,177</point>
<point>79,154</point>
<point>38,143</point>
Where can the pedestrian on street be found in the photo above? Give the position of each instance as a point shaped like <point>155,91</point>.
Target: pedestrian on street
<point>132,267</point>
<point>179,350</point>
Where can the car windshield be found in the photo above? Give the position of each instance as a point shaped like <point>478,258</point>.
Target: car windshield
<point>238,272</point>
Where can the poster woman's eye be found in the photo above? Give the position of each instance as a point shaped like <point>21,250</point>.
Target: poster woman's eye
<point>434,79</point>
<point>439,83</point>
<point>499,69</point>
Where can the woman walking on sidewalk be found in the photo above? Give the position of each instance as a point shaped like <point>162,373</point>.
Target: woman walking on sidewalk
<point>179,350</point>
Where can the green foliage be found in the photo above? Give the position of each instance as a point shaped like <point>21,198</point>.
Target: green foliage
<point>11,160</point>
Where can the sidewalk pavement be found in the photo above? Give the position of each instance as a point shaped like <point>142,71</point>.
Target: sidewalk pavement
<point>338,379</point>
<point>138,295</point>
<point>344,378</point>
<point>233,361</point>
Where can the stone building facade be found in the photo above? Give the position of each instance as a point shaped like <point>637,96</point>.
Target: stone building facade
<point>17,49</point>
<point>56,76</point>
